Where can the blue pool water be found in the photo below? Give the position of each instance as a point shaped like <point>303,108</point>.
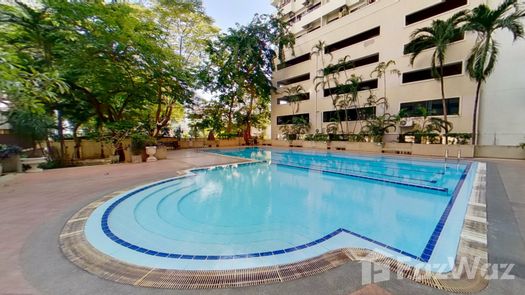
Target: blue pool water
<point>289,207</point>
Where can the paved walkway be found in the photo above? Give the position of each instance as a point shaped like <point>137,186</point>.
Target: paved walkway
<point>34,208</point>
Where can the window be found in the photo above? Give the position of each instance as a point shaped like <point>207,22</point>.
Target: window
<point>352,64</point>
<point>426,74</point>
<point>293,80</point>
<point>300,97</point>
<point>342,89</point>
<point>443,6</point>
<point>285,120</point>
<point>294,61</point>
<point>353,40</point>
<point>434,107</point>
<point>353,114</point>
<point>459,37</point>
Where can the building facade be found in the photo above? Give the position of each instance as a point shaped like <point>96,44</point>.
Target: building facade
<point>367,32</point>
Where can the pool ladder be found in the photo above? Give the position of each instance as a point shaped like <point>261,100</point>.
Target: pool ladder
<point>447,155</point>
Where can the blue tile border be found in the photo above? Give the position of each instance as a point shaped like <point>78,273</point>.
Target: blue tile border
<point>424,257</point>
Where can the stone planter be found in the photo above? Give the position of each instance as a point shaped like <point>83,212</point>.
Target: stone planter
<point>33,163</point>
<point>114,159</point>
<point>162,153</point>
<point>151,151</point>
<point>136,159</point>
<point>11,164</point>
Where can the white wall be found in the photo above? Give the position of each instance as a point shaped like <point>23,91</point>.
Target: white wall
<point>502,109</point>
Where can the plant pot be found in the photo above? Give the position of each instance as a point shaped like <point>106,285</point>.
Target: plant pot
<point>151,150</point>
<point>33,163</point>
<point>136,159</point>
<point>162,153</point>
<point>115,159</point>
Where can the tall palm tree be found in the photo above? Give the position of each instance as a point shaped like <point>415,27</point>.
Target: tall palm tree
<point>380,72</point>
<point>485,22</point>
<point>438,36</point>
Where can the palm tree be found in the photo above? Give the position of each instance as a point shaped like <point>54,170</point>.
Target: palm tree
<point>380,72</point>
<point>439,35</point>
<point>294,96</point>
<point>378,126</point>
<point>485,22</point>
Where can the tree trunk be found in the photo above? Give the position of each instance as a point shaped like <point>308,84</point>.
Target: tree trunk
<point>475,117</point>
<point>76,140</point>
<point>444,101</point>
<point>60,127</point>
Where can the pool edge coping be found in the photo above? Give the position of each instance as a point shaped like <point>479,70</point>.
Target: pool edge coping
<point>78,250</point>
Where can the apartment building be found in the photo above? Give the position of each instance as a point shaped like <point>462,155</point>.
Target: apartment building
<point>367,32</point>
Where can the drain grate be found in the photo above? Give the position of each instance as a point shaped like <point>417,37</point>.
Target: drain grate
<point>79,251</point>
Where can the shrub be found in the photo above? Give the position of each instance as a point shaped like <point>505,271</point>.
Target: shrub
<point>9,150</point>
<point>139,142</point>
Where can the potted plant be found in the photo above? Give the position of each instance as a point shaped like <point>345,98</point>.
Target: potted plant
<point>33,125</point>
<point>138,144</point>
<point>9,158</point>
<point>151,149</point>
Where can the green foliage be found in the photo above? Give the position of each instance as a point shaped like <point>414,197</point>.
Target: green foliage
<point>30,121</point>
<point>378,126</point>
<point>485,22</point>
<point>298,127</point>
<point>320,137</point>
<point>103,64</point>
<point>139,142</point>
<point>438,36</point>
<point>9,150</point>
<point>240,65</point>
<point>461,138</point>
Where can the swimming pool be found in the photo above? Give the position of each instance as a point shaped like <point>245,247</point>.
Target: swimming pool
<point>285,207</point>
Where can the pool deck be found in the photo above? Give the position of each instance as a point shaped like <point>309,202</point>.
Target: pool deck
<point>36,206</point>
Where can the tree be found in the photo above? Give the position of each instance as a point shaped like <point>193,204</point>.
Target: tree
<point>378,126</point>
<point>380,72</point>
<point>485,22</point>
<point>242,61</point>
<point>438,36</point>
<point>186,28</point>
<point>294,96</point>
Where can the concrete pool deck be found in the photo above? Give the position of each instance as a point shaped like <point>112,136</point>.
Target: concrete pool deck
<point>35,207</point>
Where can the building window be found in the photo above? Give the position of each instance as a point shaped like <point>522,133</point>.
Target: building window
<point>294,61</point>
<point>353,40</point>
<point>352,64</point>
<point>443,6</point>
<point>285,120</point>
<point>343,89</point>
<point>349,114</point>
<point>433,107</point>
<point>426,74</point>
<point>407,50</point>
<point>293,80</point>
<point>300,97</point>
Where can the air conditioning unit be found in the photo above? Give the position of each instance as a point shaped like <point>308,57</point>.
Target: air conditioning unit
<point>406,123</point>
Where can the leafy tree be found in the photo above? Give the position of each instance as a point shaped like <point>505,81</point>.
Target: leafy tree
<point>186,28</point>
<point>240,66</point>
<point>438,36</point>
<point>485,22</point>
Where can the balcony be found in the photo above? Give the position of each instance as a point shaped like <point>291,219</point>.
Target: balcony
<point>321,11</point>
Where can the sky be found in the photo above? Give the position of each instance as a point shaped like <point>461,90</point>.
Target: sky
<point>228,12</point>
